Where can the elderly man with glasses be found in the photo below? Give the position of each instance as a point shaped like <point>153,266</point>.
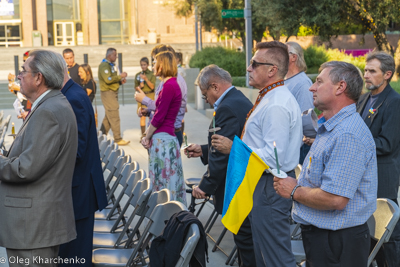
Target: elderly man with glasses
<point>231,107</point>
<point>275,117</point>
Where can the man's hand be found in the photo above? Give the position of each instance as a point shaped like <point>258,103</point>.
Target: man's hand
<point>23,115</point>
<point>193,151</point>
<point>221,143</point>
<point>124,74</point>
<point>123,81</point>
<point>284,187</point>
<point>308,140</point>
<point>139,95</point>
<point>198,193</point>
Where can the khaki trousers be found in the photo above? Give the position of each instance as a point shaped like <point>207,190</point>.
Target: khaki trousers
<point>111,118</point>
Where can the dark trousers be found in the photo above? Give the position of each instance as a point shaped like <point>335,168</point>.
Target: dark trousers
<point>179,135</point>
<point>389,254</point>
<point>82,246</point>
<point>244,243</point>
<point>270,226</point>
<point>304,149</point>
<point>341,248</point>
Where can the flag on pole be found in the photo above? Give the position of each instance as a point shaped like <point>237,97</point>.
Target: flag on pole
<point>244,171</point>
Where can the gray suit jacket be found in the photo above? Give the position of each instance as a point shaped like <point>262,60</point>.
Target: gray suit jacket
<point>385,128</point>
<point>36,176</point>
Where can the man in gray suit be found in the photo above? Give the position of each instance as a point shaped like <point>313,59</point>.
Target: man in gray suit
<point>36,174</point>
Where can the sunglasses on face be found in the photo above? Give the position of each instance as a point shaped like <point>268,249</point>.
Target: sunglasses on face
<point>254,64</point>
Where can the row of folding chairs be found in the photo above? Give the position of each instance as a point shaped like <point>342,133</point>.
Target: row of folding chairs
<point>119,239</point>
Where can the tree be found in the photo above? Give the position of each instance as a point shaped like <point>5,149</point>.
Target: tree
<point>210,15</point>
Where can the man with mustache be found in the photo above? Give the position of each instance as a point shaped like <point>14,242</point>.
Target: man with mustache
<point>380,110</point>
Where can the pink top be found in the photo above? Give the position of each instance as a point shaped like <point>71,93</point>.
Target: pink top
<point>167,107</point>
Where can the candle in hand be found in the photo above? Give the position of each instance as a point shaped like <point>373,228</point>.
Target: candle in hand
<point>185,137</point>
<point>13,129</point>
<point>214,122</point>
<point>276,157</point>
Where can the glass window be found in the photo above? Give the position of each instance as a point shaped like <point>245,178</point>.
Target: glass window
<point>111,28</point>
<point>110,9</point>
<point>16,14</point>
<point>63,9</point>
<point>114,21</point>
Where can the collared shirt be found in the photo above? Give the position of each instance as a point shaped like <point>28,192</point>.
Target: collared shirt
<point>342,161</point>
<point>221,97</point>
<point>276,118</point>
<point>34,104</point>
<point>151,104</point>
<point>298,85</point>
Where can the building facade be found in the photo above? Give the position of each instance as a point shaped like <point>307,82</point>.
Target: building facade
<point>34,23</point>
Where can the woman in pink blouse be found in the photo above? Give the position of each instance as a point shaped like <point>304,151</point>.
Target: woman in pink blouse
<point>165,164</point>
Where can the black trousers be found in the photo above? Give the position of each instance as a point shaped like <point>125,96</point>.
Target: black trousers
<point>341,248</point>
<point>244,243</point>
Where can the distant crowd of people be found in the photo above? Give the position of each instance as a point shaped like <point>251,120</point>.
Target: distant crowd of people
<point>352,159</point>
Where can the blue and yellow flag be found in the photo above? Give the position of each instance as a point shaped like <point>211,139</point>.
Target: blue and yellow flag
<point>244,171</point>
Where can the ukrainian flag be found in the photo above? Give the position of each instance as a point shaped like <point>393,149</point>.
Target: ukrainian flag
<point>244,171</point>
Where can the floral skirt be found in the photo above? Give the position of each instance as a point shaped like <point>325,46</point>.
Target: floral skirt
<point>165,166</point>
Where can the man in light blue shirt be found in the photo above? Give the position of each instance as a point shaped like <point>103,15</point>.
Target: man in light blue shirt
<point>336,190</point>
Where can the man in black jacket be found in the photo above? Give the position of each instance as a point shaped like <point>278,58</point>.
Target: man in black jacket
<point>231,108</point>
<point>380,109</point>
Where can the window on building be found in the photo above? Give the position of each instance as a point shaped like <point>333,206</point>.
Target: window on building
<point>113,21</point>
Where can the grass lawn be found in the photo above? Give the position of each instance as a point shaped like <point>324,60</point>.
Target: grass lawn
<point>396,86</point>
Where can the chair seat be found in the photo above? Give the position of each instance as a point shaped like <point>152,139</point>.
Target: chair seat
<point>190,182</point>
<point>105,226</point>
<point>104,240</point>
<point>102,215</point>
<point>103,257</point>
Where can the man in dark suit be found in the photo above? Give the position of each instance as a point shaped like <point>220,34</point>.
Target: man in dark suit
<point>88,190</point>
<point>231,108</point>
<point>36,174</point>
<point>380,109</point>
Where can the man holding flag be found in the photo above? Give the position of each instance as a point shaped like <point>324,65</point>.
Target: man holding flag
<point>275,117</point>
<point>231,107</point>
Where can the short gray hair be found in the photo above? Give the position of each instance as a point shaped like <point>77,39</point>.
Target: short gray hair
<point>214,73</point>
<point>295,48</point>
<point>51,65</point>
<point>343,71</point>
<point>386,60</point>
<point>110,50</point>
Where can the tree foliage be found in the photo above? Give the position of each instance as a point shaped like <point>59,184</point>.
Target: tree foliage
<point>210,15</point>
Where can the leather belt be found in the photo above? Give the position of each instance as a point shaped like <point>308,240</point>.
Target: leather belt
<point>178,129</point>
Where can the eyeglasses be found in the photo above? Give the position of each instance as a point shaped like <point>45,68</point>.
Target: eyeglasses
<point>204,97</point>
<point>254,64</point>
<point>22,72</point>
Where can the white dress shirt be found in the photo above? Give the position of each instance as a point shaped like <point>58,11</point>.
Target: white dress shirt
<point>276,118</point>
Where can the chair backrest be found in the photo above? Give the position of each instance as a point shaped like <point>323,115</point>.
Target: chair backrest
<point>100,138</point>
<point>382,223</point>
<point>139,190</point>
<point>161,213</point>
<point>158,197</point>
<point>134,177</point>
<point>113,158</point>
<point>103,145</point>
<point>116,169</point>
<point>191,240</point>
<point>119,183</point>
